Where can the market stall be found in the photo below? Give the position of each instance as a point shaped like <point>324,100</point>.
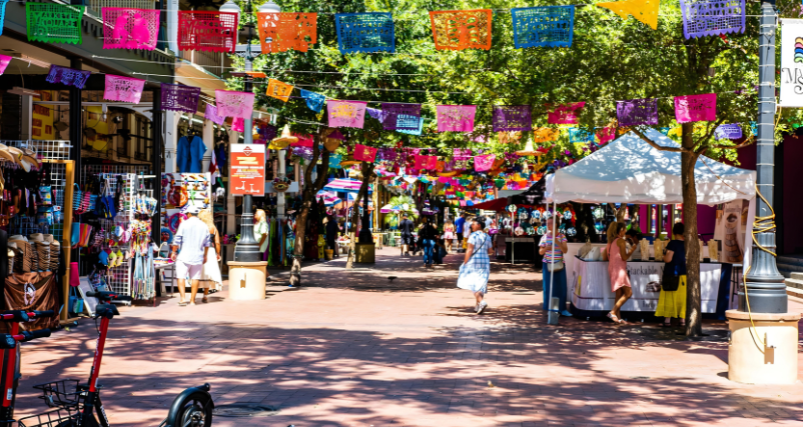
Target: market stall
<point>629,170</point>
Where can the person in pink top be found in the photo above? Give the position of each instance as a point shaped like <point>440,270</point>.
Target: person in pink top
<point>617,268</point>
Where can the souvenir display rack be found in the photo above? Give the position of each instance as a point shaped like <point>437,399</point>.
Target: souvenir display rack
<point>196,186</point>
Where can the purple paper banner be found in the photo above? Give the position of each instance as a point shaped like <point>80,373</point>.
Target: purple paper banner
<point>511,118</point>
<point>637,112</point>
<point>729,131</point>
<point>211,114</point>
<point>696,108</point>
<point>389,154</point>
<point>234,104</point>
<point>349,114</point>
<point>712,17</point>
<point>180,98</point>
<point>401,116</point>
<point>376,113</point>
<point>456,118</point>
<point>68,76</point>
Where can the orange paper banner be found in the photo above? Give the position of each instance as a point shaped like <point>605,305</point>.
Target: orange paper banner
<point>462,29</point>
<point>280,32</point>
<point>545,134</point>
<point>279,90</point>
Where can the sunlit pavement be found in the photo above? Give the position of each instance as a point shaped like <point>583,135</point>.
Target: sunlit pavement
<point>353,348</point>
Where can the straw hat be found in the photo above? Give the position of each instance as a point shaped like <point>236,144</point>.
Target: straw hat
<point>450,173</point>
<point>5,154</point>
<point>349,161</point>
<point>29,157</point>
<point>283,141</point>
<point>528,150</point>
<point>16,153</point>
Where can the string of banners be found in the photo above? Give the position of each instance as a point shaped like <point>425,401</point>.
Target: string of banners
<point>367,32</point>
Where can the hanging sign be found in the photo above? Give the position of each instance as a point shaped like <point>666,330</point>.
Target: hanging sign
<point>791,63</point>
<point>247,170</point>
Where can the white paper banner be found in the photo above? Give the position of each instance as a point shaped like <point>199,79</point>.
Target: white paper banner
<point>791,63</point>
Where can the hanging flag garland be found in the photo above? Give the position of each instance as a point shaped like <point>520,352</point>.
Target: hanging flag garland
<point>280,32</point>
<point>696,108</point>
<point>4,61</point>
<point>180,98</point>
<point>580,135</point>
<point>637,112</point>
<point>645,11</point>
<point>208,31</point>
<point>550,26</point>
<point>365,32</point>
<point>456,118</point>
<point>125,28</point>
<point>54,23</point>
<point>462,29</point>
<point>349,114</point>
<point>364,153</point>
<point>234,104</point>
<point>123,89</point>
<point>712,17</point>
<point>729,131</point>
<point>565,114</point>
<point>68,76</point>
<point>510,118</point>
<point>3,4</point>
<point>315,101</point>
<point>279,90</point>
<point>211,114</point>
<point>401,116</point>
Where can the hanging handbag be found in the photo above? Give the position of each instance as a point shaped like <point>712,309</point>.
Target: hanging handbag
<point>555,266</point>
<point>670,282</point>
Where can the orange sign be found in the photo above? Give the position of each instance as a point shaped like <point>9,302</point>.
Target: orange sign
<point>247,171</point>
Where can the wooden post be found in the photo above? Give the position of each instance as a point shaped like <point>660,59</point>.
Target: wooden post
<point>66,244</point>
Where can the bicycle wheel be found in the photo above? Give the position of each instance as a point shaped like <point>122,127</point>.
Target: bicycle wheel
<point>196,411</point>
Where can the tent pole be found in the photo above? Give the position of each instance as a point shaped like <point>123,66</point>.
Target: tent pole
<point>552,271</point>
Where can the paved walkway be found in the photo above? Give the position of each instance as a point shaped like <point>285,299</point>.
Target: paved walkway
<point>356,349</point>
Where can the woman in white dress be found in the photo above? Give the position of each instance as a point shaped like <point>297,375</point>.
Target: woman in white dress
<point>210,277</point>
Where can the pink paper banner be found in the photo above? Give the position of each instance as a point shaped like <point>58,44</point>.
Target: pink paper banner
<point>211,114</point>
<point>696,108</point>
<point>4,60</point>
<point>456,118</point>
<point>566,114</point>
<point>606,134</point>
<point>123,89</point>
<point>426,162</point>
<point>484,163</point>
<point>234,104</point>
<point>238,124</point>
<point>364,153</point>
<point>125,28</point>
<point>346,114</point>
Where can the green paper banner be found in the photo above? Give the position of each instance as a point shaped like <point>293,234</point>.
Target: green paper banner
<point>54,23</point>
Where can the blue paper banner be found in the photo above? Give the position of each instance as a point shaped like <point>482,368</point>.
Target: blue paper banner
<point>365,32</point>
<point>580,135</point>
<point>3,4</point>
<point>315,101</point>
<point>549,26</point>
<point>412,132</point>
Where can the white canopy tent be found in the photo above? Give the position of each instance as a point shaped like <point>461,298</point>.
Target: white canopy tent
<point>629,170</point>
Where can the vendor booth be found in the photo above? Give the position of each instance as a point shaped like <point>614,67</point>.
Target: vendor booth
<point>629,170</point>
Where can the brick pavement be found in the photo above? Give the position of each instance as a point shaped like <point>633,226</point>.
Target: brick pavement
<point>355,349</point>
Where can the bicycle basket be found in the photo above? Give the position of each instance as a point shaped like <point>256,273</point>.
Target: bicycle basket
<point>51,418</point>
<point>61,394</point>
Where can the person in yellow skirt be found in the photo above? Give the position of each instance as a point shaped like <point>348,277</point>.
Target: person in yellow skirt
<point>672,301</point>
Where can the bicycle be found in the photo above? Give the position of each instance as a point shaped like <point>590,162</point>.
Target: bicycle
<point>191,408</point>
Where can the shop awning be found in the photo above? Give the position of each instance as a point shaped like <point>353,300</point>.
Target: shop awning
<point>341,184</point>
<point>629,170</point>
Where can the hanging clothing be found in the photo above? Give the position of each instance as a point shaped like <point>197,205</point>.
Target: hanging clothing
<point>190,154</point>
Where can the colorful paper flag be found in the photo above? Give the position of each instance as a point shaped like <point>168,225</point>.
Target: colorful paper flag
<point>645,11</point>
<point>426,162</point>
<point>416,132</point>
<point>550,26</point>
<point>2,15</point>
<point>123,89</point>
<point>125,28</point>
<point>315,101</point>
<point>484,163</point>
<point>729,131</point>
<point>401,116</point>
<point>209,31</point>
<point>365,32</point>
<point>509,118</point>
<point>54,23</point>
<point>68,76</point>
<point>456,118</point>
<point>364,153</point>
<point>280,32</point>
<point>462,29</point>
<point>696,108</point>
<point>712,17</point>
<point>279,90</point>
<point>211,114</point>
<point>350,114</point>
<point>566,114</point>
<point>637,112</point>
<point>545,134</point>
<point>180,98</point>
<point>234,104</point>
<point>4,61</point>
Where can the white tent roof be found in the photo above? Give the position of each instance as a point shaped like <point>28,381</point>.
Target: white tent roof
<point>629,170</point>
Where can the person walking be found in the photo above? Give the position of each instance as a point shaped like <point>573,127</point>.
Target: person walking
<point>332,231</point>
<point>190,246</point>
<point>406,227</point>
<point>261,229</point>
<point>553,265</point>
<point>210,276</point>
<point>617,269</point>
<point>476,268</point>
<point>460,224</point>
<point>428,235</point>
<point>448,235</point>
<point>672,300</point>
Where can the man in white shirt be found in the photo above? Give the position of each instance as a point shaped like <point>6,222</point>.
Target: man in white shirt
<point>190,245</point>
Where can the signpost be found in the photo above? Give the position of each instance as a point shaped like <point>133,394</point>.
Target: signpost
<point>247,172</point>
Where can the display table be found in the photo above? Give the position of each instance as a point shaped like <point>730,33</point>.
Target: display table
<point>590,293</point>
<point>574,249</point>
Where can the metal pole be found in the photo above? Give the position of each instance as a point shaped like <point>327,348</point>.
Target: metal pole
<point>156,165</point>
<point>765,285</point>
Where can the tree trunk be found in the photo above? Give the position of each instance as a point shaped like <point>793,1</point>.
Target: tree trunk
<point>688,159</point>
<point>307,203</point>
<point>367,172</point>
